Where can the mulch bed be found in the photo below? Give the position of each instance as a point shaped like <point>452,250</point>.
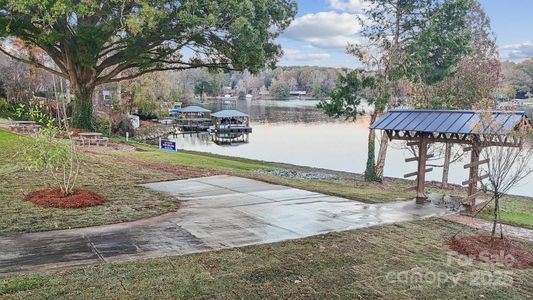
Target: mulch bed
<point>55,198</point>
<point>499,251</point>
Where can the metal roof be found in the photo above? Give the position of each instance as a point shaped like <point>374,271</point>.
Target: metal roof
<point>229,114</point>
<point>449,121</point>
<point>193,109</point>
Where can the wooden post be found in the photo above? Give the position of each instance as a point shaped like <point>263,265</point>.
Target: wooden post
<point>421,177</point>
<point>446,167</point>
<point>474,172</point>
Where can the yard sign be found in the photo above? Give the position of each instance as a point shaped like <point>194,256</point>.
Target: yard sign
<point>167,145</point>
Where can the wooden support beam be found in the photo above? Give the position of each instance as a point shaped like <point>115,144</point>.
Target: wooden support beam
<point>413,188</point>
<point>473,176</point>
<point>417,143</point>
<point>476,164</point>
<point>416,173</point>
<point>467,149</point>
<point>455,140</point>
<point>468,200</point>
<point>421,174</point>
<point>475,179</point>
<point>411,159</point>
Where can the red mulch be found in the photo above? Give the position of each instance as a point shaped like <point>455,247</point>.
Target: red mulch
<point>55,198</point>
<point>483,249</point>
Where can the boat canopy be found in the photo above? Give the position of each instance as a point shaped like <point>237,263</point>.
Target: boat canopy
<point>229,114</point>
<point>193,109</point>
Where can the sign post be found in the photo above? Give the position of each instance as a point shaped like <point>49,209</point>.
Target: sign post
<point>167,145</point>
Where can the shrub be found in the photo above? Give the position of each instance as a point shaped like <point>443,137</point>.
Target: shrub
<point>34,111</point>
<point>58,157</point>
<point>4,105</point>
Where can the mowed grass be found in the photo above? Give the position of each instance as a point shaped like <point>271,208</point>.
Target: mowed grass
<point>343,187</point>
<point>115,180</point>
<point>400,261</point>
<point>513,211</point>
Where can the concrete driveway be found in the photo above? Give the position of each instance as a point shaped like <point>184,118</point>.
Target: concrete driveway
<point>217,212</point>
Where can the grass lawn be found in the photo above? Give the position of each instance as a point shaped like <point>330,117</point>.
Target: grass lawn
<point>360,264</point>
<point>115,180</point>
<point>514,211</point>
<point>344,186</point>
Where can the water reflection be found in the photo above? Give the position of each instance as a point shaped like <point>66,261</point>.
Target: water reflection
<point>296,132</point>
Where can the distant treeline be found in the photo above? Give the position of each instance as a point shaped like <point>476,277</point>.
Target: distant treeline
<point>518,79</point>
<point>279,82</point>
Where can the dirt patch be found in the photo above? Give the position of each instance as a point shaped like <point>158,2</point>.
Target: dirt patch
<point>182,171</point>
<point>55,198</point>
<point>499,251</point>
<point>111,147</point>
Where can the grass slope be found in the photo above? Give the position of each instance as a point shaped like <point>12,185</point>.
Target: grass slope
<point>377,262</point>
<point>514,211</point>
<point>115,180</point>
<point>342,187</point>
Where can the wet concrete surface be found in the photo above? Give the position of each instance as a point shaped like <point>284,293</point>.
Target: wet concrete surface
<point>217,212</point>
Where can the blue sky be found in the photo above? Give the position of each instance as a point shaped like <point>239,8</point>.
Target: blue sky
<point>323,27</point>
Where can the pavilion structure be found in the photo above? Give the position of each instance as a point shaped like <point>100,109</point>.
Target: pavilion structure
<point>472,129</point>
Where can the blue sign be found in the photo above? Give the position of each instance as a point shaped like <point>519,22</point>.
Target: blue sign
<point>168,145</point>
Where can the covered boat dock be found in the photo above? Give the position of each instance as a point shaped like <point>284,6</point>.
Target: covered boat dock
<point>193,118</point>
<point>230,121</point>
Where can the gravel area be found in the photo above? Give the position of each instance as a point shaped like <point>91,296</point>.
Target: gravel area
<point>444,201</point>
<point>296,175</point>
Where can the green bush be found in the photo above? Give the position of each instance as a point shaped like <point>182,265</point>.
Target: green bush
<point>117,124</point>
<point>33,111</point>
<point>4,105</point>
<point>103,123</point>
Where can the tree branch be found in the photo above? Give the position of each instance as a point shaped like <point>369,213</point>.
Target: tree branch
<point>34,63</point>
<point>180,68</point>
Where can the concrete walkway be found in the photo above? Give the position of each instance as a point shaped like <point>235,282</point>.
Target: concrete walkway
<point>217,212</point>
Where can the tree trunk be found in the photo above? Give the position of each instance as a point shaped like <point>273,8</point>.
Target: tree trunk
<point>446,166</point>
<point>370,174</point>
<point>82,108</point>
<point>496,211</point>
<point>382,155</point>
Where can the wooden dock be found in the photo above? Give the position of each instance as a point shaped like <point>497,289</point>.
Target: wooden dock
<point>227,130</point>
<point>199,124</point>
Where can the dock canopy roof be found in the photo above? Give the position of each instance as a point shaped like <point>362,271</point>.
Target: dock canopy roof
<point>463,122</point>
<point>193,109</point>
<point>229,114</point>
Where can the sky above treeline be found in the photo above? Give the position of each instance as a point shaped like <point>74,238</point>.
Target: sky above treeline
<point>322,29</point>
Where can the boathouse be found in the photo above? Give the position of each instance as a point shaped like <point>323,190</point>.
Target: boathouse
<point>231,121</point>
<point>473,129</point>
<point>193,118</point>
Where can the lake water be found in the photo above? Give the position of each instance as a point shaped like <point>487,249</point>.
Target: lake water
<point>296,132</point>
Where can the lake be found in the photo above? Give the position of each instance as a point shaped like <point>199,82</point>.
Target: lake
<point>298,133</point>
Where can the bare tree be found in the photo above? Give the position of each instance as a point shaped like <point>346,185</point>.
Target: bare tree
<point>507,168</point>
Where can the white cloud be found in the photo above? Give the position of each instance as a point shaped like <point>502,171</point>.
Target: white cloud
<point>297,55</point>
<point>517,52</point>
<point>329,30</point>
<point>355,6</point>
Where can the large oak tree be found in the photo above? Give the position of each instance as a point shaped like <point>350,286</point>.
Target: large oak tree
<point>95,42</point>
